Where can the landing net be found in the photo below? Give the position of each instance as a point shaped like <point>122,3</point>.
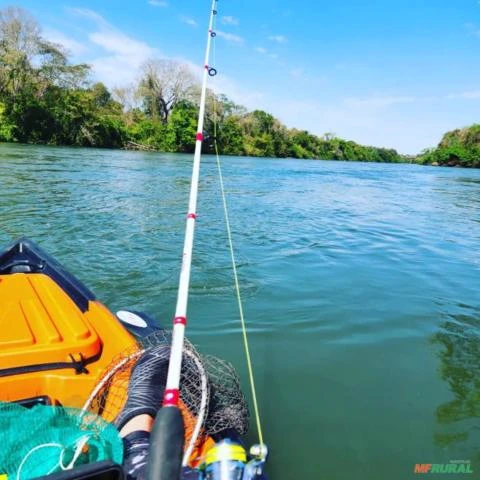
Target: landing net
<point>210,396</point>
<point>47,439</point>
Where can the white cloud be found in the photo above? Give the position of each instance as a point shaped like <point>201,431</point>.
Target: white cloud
<point>472,95</point>
<point>278,38</point>
<point>229,20</point>
<point>376,102</point>
<point>267,53</point>
<point>119,56</point>
<point>120,44</point>
<point>90,15</point>
<point>230,37</point>
<point>189,21</point>
<point>242,95</point>
<point>72,46</point>
<point>158,3</point>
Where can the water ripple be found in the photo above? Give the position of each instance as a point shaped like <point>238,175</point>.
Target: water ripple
<point>360,284</point>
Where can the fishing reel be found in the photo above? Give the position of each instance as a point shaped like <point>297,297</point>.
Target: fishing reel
<point>228,460</point>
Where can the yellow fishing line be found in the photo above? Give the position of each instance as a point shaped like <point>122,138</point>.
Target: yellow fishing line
<point>234,266</point>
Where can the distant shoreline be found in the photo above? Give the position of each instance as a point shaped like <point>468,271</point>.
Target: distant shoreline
<point>223,155</point>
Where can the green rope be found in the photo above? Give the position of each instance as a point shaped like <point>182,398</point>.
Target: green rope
<point>234,266</point>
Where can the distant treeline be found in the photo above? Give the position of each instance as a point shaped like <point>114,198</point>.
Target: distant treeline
<point>45,99</point>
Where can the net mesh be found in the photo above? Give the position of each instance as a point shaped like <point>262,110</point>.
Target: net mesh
<point>47,439</point>
<point>227,406</point>
<point>211,399</point>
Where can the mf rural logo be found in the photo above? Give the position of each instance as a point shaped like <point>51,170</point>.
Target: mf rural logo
<point>455,466</point>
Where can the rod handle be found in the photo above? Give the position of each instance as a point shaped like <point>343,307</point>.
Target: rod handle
<point>166,445</point>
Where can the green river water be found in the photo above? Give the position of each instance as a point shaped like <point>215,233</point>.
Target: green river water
<point>360,281</point>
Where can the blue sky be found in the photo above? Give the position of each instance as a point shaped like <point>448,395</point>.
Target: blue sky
<point>381,72</point>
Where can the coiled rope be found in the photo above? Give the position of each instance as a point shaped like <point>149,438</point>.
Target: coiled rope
<point>232,253</point>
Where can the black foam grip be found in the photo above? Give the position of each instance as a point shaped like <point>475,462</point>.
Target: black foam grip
<point>166,445</point>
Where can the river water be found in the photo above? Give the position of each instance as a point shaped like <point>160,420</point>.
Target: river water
<point>360,281</point>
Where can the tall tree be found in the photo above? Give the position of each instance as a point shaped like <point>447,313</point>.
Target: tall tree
<point>28,62</point>
<point>19,37</point>
<point>163,84</point>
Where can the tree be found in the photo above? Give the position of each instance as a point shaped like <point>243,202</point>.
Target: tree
<point>19,38</point>
<point>100,95</point>
<point>163,84</point>
<point>459,147</point>
<point>230,137</point>
<point>328,136</point>
<point>31,67</point>
<point>183,126</point>
<point>229,107</point>
<point>126,97</point>
<point>28,62</point>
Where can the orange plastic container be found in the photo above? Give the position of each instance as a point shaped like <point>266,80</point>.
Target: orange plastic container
<point>48,346</point>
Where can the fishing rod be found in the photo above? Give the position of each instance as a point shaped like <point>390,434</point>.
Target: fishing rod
<point>166,448</point>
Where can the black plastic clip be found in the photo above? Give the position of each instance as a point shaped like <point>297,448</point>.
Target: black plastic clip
<point>212,71</point>
<point>213,34</point>
<point>79,365</point>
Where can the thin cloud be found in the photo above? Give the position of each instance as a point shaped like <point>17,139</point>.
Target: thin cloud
<point>90,15</point>
<point>120,44</point>
<point>158,3</point>
<point>110,38</point>
<point>229,20</point>
<point>189,21</point>
<point>472,95</point>
<point>72,46</point>
<point>377,102</point>
<point>267,53</point>
<point>278,38</point>
<point>230,37</point>
<point>119,56</point>
<point>239,93</point>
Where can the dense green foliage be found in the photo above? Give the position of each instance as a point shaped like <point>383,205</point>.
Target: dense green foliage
<point>45,99</point>
<point>459,147</point>
<point>260,134</point>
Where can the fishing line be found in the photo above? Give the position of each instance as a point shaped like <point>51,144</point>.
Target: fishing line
<point>79,445</point>
<point>232,256</point>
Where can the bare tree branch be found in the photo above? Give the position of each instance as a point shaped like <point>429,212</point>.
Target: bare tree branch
<point>163,84</point>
